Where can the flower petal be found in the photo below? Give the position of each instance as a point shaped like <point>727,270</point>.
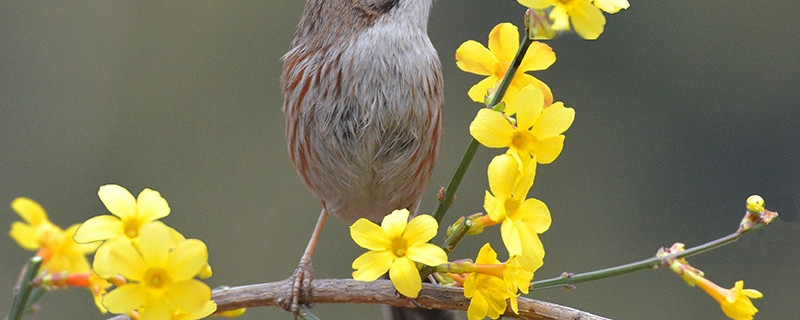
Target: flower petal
<point>539,56</point>
<point>189,295</point>
<point>29,210</point>
<point>371,265</point>
<point>511,239</point>
<point>369,235</point>
<point>536,215</point>
<point>118,200</point>
<point>124,259</point>
<point>504,43</point>
<point>155,243</point>
<point>491,129</point>
<point>547,150</point>
<point>420,229</point>
<point>478,307</point>
<point>187,259</point>
<point>587,20</point>
<point>158,308</point>
<point>24,235</point>
<point>612,6</point>
<point>531,104</point>
<point>473,57</point>
<point>126,298</point>
<point>395,223</point>
<point>502,172</point>
<point>523,80</point>
<point>151,206</point>
<point>494,207</point>
<point>405,277</point>
<point>525,181</point>
<point>554,121</point>
<point>479,91</point>
<point>486,255</point>
<point>99,228</point>
<point>427,254</point>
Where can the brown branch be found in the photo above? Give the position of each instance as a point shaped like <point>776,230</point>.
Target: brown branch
<point>382,292</point>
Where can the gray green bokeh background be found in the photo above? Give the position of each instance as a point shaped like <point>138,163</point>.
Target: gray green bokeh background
<point>684,108</point>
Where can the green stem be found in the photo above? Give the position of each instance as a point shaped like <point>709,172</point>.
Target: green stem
<point>567,280</point>
<point>450,192</point>
<point>25,288</point>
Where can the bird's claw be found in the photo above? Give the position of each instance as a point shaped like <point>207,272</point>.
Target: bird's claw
<point>301,287</point>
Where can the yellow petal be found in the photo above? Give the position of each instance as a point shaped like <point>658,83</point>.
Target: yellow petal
<point>118,200</point>
<point>539,56</point>
<point>124,259</point>
<point>189,295</point>
<point>486,255</point>
<point>536,215</point>
<point>479,91</point>
<point>156,308</point>
<point>371,265</point>
<point>83,248</point>
<point>126,298</point>
<point>473,57</point>
<point>155,243</point>
<point>560,19</point>
<point>420,229</point>
<point>24,235</point>
<point>612,6</point>
<point>554,121</point>
<point>151,206</point>
<point>587,20</point>
<point>547,150</point>
<point>504,42</point>
<point>536,4</point>
<point>523,80</point>
<point>491,129</point>
<point>29,210</point>
<point>427,254</point>
<point>99,228</point>
<point>478,308</point>
<point>395,223</point>
<point>405,277</point>
<point>530,107</point>
<point>494,207</point>
<point>511,98</point>
<point>511,239</point>
<point>525,181</point>
<point>503,172</point>
<point>187,259</point>
<point>369,235</point>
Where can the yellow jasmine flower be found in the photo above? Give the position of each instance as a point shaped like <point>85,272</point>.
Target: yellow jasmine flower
<point>395,246</point>
<point>161,276</point>
<point>54,245</point>
<point>487,293</point>
<point>522,219</point>
<point>735,302</point>
<point>538,132</point>
<point>518,277</point>
<point>494,61</point>
<point>587,19</point>
<point>129,214</point>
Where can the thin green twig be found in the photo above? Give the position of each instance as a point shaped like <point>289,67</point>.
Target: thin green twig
<point>447,200</point>
<point>568,280</point>
<point>25,288</point>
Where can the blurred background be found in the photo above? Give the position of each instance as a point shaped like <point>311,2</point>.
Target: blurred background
<point>684,108</point>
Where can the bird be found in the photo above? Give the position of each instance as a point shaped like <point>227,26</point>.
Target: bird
<point>363,96</point>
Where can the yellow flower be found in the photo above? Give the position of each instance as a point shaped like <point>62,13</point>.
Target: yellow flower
<point>395,246</point>
<point>55,246</point>
<point>518,277</point>
<point>129,214</point>
<point>487,293</point>
<point>161,276</point>
<point>522,219</point>
<point>587,20</point>
<point>494,61</point>
<point>735,302</point>
<point>538,132</point>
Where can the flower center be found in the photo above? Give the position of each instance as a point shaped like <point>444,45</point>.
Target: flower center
<point>523,140</point>
<point>132,227</point>
<point>156,278</point>
<point>399,246</point>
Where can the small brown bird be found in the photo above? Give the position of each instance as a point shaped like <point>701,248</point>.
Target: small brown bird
<point>363,97</point>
